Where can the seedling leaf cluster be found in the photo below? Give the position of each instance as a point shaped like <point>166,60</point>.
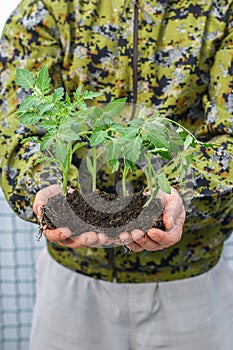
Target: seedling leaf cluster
<point>70,122</point>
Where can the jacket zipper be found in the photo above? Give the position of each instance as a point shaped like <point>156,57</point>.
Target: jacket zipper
<point>135,59</point>
<point>135,53</point>
<point>110,251</point>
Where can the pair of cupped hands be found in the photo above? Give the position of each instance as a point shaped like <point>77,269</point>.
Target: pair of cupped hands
<point>137,240</point>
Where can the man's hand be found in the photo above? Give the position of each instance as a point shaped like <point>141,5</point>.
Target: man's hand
<point>63,235</point>
<point>137,240</point>
<point>156,239</point>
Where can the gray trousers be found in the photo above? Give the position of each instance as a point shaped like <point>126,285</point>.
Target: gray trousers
<point>76,312</point>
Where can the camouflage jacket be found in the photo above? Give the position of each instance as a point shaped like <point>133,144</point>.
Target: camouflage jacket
<point>174,56</point>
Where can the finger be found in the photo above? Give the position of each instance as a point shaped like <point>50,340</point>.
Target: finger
<point>165,238</point>
<point>168,220</point>
<point>174,234</point>
<point>172,215</point>
<point>102,238</point>
<point>87,238</point>
<point>57,235</point>
<point>134,247</point>
<point>125,237</point>
<point>37,208</point>
<point>48,191</point>
<point>145,241</point>
<point>173,209</point>
<point>70,243</point>
<point>42,197</point>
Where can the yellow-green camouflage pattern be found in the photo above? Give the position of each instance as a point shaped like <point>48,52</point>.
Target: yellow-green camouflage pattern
<point>184,70</point>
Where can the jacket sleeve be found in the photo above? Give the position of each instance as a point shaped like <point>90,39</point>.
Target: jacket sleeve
<point>213,168</point>
<point>208,190</point>
<point>30,39</point>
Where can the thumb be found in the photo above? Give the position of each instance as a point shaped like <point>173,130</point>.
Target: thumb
<point>37,208</point>
<point>168,221</point>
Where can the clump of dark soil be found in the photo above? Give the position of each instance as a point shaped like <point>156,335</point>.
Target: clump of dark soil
<point>101,212</point>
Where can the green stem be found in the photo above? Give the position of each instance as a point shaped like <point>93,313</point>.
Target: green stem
<point>182,127</point>
<point>66,169</point>
<point>152,196</point>
<point>124,175</point>
<point>149,172</point>
<point>94,169</point>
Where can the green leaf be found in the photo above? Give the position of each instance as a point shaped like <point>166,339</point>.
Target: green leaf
<point>25,78</point>
<point>107,120</point>
<point>177,139</point>
<point>189,159</point>
<point>82,116</point>
<point>98,137</point>
<point>129,133</point>
<point>157,136</point>
<point>90,95</point>
<point>155,118</point>
<point>117,128</point>
<point>130,165</point>
<point>136,122</point>
<point>30,139</point>
<point>69,136</point>
<point>75,126</point>
<point>95,112</point>
<point>48,125</point>
<point>47,141</point>
<point>68,100</point>
<point>43,80</point>
<point>141,114</point>
<point>77,93</point>
<point>44,107</point>
<point>174,148</point>
<point>114,164</point>
<point>115,107</point>
<point>42,159</point>
<point>188,141</point>
<point>30,102</point>
<point>113,151</point>
<point>58,94</point>
<point>68,130</point>
<point>158,150</point>
<point>181,131</point>
<point>175,168</point>
<point>132,149</point>
<point>61,152</point>
<point>29,118</point>
<point>78,145</point>
<point>182,171</point>
<point>163,183</point>
<point>207,145</point>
